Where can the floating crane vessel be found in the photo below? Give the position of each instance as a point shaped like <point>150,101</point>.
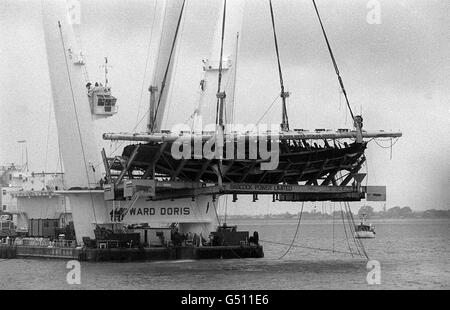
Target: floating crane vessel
<point>149,193</point>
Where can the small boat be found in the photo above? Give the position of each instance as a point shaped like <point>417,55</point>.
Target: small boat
<point>364,230</point>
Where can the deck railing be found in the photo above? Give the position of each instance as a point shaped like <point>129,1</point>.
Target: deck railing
<point>44,242</point>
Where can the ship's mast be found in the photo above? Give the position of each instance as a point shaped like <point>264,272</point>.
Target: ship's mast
<point>151,114</point>
<point>284,94</point>
<point>357,120</point>
<point>221,95</point>
<point>207,111</point>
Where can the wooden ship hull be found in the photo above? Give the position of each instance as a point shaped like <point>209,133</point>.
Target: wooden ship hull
<point>299,162</point>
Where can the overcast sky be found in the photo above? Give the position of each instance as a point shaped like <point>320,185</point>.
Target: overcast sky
<point>396,72</point>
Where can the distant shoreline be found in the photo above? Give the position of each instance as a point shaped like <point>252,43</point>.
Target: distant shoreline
<point>425,215</point>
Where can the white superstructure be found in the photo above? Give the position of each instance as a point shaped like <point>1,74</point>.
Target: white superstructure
<point>75,120</point>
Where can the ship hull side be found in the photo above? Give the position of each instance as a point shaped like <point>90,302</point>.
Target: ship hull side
<point>90,209</point>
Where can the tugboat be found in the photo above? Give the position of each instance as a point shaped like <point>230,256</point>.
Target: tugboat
<point>364,230</point>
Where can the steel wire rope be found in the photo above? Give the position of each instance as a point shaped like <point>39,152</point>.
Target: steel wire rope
<point>345,229</point>
<point>352,229</point>
<point>306,247</point>
<point>268,109</point>
<point>296,232</point>
<point>353,223</point>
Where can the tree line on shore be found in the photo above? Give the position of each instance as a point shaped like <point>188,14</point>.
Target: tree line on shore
<point>368,211</point>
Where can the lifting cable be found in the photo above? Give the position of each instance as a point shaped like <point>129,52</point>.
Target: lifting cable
<point>345,230</point>
<point>361,245</point>
<point>296,232</point>
<point>341,83</point>
<point>332,219</point>
<point>306,247</point>
<point>357,241</point>
<point>352,229</point>
<point>78,123</point>
<point>333,250</point>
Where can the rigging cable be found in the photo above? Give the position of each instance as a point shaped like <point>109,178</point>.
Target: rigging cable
<point>332,218</point>
<point>353,223</point>
<point>163,83</point>
<point>48,133</point>
<point>351,229</point>
<point>226,209</point>
<point>358,242</point>
<point>390,147</point>
<point>341,83</point>
<point>296,232</point>
<point>233,112</point>
<point>60,164</point>
<point>385,147</point>
<point>143,81</point>
<point>367,170</point>
<point>306,247</point>
<point>175,68</point>
<point>280,73</point>
<point>159,100</point>
<point>123,142</point>
<point>78,123</point>
<point>345,230</point>
<point>215,210</point>
<point>147,59</point>
<point>268,109</point>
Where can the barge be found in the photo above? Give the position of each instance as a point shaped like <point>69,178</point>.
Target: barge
<point>132,254</point>
<point>224,243</point>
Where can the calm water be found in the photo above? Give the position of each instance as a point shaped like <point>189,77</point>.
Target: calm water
<point>413,254</point>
